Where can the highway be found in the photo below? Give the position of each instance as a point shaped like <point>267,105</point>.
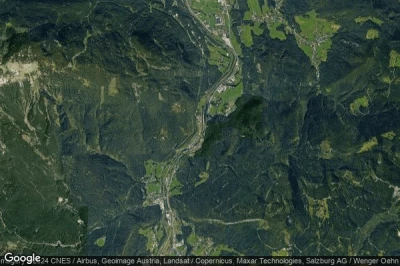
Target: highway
<point>190,146</point>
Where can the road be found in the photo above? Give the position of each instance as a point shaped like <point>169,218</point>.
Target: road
<point>192,144</point>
